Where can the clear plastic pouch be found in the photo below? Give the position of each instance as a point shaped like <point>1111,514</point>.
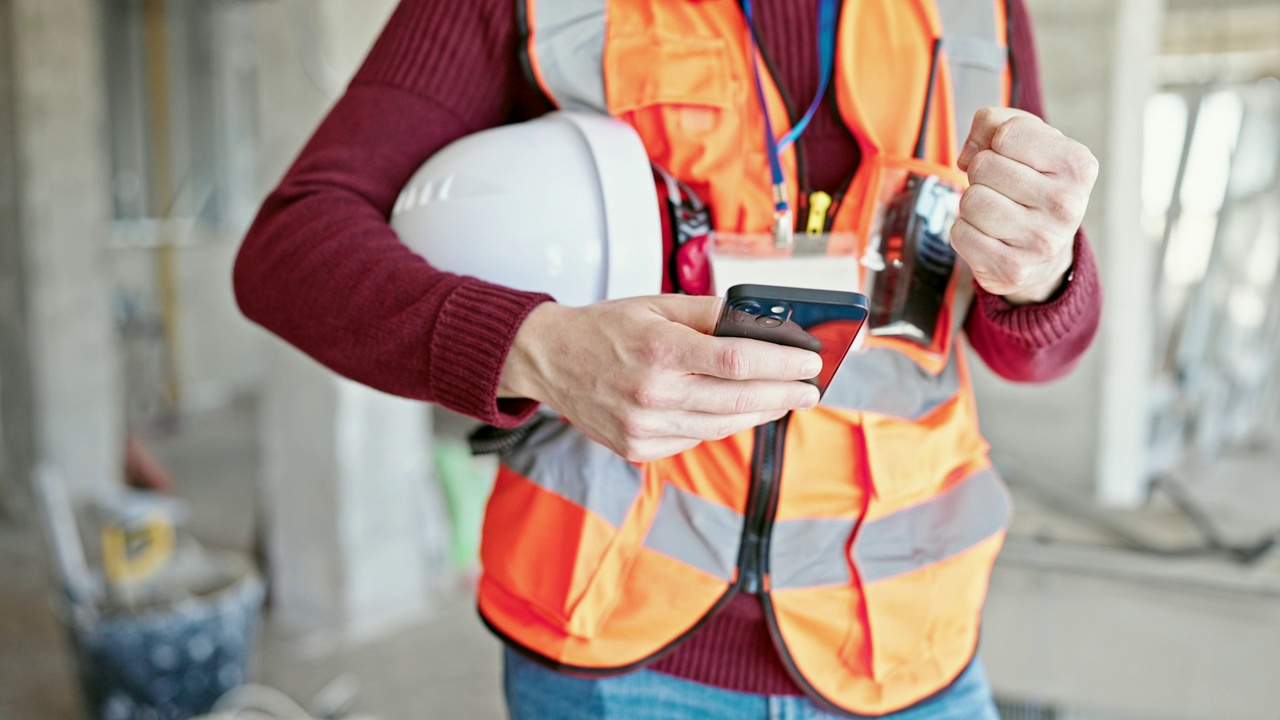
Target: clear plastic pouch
<point>829,261</point>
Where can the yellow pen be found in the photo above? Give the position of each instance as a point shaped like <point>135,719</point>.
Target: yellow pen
<point>819,204</point>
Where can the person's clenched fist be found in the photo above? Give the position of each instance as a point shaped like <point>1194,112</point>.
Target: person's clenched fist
<point>1029,187</point>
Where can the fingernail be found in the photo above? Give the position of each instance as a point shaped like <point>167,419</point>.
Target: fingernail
<point>966,154</point>
<point>812,368</point>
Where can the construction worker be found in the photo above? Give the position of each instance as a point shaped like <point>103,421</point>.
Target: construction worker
<point>691,534</point>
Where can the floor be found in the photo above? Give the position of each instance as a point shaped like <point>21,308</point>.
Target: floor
<point>1072,623</point>
<point>436,668</point>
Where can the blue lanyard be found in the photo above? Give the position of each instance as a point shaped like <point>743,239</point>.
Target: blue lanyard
<point>828,12</point>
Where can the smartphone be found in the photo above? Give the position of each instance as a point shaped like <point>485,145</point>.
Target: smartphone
<point>823,321</point>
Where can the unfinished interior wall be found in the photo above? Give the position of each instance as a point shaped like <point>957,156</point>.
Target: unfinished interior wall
<point>16,439</point>
<point>61,374</point>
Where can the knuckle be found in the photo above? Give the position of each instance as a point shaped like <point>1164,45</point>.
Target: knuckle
<point>733,361</point>
<point>635,427</point>
<point>1082,162</point>
<point>986,117</point>
<point>1060,203</point>
<point>972,201</point>
<point>655,351</point>
<point>744,401</point>
<point>731,427</point>
<point>962,238</point>
<point>1006,136</point>
<point>1044,243</point>
<point>648,395</point>
<point>980,167</point>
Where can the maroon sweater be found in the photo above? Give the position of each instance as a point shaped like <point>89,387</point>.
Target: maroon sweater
<point>322,269</point>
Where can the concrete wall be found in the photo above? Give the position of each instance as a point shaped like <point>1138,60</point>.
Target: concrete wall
<point>62,394</point>
<point>268,45</point>
<point>16,439</point>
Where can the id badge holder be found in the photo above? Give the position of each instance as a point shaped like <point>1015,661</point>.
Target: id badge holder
<point>827,261</point>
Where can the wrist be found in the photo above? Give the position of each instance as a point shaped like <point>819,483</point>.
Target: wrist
<point>1045,291</point>
<point>522,373</point>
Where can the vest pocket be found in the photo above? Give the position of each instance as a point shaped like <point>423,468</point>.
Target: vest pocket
<point>684,95</point>
<point>657,68</point>
<point>561,533</point>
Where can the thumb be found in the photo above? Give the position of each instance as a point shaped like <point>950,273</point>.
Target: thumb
<point>985,124</point>
<point>699,312</point>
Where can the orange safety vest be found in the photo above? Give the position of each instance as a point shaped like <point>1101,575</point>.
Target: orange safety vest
<point>869,525</point>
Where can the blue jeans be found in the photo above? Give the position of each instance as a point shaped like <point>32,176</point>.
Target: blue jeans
<point>537,693</point>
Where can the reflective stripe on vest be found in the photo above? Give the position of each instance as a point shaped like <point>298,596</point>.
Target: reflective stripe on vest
<point>889,383</point>
<point>696,532</point>
<point>558,458</point>
<point>810,552</point>
<point>569,35</point>
<point>814,553</point>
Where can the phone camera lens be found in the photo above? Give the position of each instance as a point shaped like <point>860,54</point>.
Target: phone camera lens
<point>768,321</point>
<point>750,308</point>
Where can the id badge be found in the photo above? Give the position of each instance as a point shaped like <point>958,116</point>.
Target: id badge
<point>910,262</point>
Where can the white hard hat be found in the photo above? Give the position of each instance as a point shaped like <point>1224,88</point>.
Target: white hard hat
<point>564,204</point>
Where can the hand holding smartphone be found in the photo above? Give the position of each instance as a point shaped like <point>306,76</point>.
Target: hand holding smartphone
<point>822,321</point>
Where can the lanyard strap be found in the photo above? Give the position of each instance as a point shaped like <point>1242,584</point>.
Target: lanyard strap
<point>828,12</point>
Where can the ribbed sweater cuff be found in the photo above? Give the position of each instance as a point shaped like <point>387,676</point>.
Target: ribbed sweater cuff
<point>1035,327</point>
<point>473,335</point>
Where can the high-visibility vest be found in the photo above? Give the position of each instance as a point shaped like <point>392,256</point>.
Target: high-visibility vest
<point>869,525</point>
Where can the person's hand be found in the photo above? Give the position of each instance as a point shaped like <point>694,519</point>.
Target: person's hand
<point>1029,187</point>
<point>644,377</point>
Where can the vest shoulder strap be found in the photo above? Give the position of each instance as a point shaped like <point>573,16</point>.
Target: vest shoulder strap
<point>563,50</point>
<point>564,41</point>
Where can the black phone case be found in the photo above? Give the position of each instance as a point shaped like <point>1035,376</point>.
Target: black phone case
<point>807,310</point>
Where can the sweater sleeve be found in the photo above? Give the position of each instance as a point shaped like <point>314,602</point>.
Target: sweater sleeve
<point>1036,343</point>
<point>321,267</point>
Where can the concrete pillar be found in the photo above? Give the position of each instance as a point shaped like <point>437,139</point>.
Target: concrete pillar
<point>59,365</point>
<point>1088,433</point>
<point>356,535</point>
<point>354,528</point>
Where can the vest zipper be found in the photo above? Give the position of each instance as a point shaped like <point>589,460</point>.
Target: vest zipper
<point>762,506</point>
<point>753,553</point>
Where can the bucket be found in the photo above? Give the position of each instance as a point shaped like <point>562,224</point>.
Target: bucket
<point>167,662</point>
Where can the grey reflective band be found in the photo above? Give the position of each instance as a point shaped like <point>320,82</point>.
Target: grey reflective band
<point>887,382</point>
<point>815,553</point>
<point>913,538</point>
<point>696,532</point>
<point>568,45</point>
<point>558,458</point>
<point>975,57</point>
<point>810,553</point>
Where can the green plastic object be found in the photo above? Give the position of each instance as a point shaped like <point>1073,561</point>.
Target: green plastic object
<point>466,481</point>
